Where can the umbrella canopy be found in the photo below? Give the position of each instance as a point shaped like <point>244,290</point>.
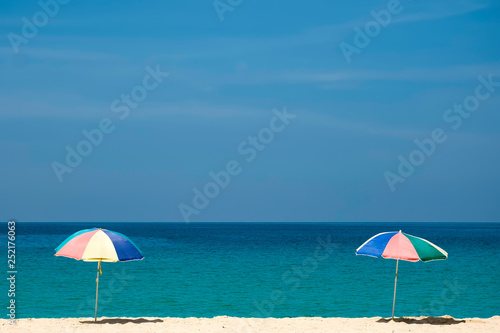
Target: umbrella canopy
<point>398,245</point>
<point>98,245</point>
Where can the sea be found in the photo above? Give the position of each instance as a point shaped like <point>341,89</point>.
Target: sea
<point>255,270</point>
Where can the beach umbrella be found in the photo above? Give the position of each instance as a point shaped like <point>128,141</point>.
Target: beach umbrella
<point>98,245</point>
<point>398,245</point>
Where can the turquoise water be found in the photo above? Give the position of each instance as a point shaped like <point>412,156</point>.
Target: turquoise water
<point>258,270</point>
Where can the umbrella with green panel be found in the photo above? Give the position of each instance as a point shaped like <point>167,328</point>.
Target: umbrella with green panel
<point>398,245</point>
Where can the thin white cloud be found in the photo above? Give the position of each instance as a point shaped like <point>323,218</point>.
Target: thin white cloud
<point>204,110</point>
<point>74,106</point>
<point>360,126</point>
<point>436,10</point>
<point>332,79</point>
<point>61,54</point>
<point>225,47</point>
<point>395,131</point>
<point>230,47</point>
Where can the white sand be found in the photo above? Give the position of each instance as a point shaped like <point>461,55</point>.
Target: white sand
<point>248,325</point>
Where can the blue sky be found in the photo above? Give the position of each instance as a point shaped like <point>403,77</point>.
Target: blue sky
<point>353,119</point>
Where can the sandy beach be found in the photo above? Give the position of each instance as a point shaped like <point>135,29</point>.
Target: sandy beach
<point>248,325</point>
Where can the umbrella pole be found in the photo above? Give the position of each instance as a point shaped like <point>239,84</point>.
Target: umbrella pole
<point>97,289</point>
<point>395,282</point>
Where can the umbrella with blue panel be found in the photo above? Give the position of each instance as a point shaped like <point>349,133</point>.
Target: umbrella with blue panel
<point>99,245</point>
<point>400,246</point>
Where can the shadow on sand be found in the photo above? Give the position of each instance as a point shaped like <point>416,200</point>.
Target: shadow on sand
<point>423,320</point>
<point>121,321</point>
